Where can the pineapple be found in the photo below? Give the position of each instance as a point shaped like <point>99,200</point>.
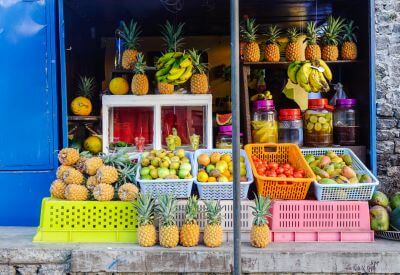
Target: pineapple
<point>68,156</point>
<point>190,231</point>
<point>130,35</point>
<point>251,50</point>
<point>146,232</point>
<point>57,189</point>
<point>293,48</point>
<point>213,230</point>
<point>165,88</point>
<point>199,80</point>
<point>168,231</point>
<point>60,171</point>
<point>103,192</point>
<point>349,47</point>
<point>271,52</point>
<point>172,36</point>
<point>81,105</point>
<point>91,183</point>
<point>75,192</point>
<point>128,192</point>
<point>260,235</point>
<point>119,159</point>
<point>140,83</point>
<point>80,164</point>
<point>92,164</point>
<point>313,50</point>
<point>107,174</point>
<point>331,38</point>
<point>72,176</point>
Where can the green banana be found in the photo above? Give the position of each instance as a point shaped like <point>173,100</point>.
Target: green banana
<point>166,69</point>
<point>327,70</point>
<point>292,71</point>
<point>303,73</point>
<point>178,54</point>
<point>163,59</point>
<point>162,78</point>
<point>176,75</point>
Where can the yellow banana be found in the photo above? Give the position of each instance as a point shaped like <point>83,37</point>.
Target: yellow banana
<point>186,62</point>
<point>324,83</point>
<point>292,71</point>
<point>315,81</point>
<point>176,75</point>
<point>303,73</point>
<point>188,73</point>
<point>327,70</point>
<point>178,54</point>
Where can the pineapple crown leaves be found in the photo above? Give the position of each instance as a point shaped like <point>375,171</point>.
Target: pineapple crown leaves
<point>172,36</point>
<point>198,66</point>
<point>85,154</point>
<point>140,64</point>
<point>293,33</point>
<point>130,34</point>
<point>272,34</point>
<point>261,210</point>
<point>86,86</point>
<point>249,30</point>
<point>213,212</point>
<point>144,206</point>
<point>311,32</point>
<point>332,31</point>
<point>348,32</point>
<point>191,210</point>
<point>127,173</point>
<point>167,209</point>
<point>117,160</point>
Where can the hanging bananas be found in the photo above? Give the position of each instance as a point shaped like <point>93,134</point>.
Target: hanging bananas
<point>174,68</point>
<point>309,76</point>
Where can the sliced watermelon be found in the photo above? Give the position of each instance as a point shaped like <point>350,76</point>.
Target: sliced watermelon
<point>224,119</point>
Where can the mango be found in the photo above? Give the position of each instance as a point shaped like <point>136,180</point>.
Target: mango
<point>327,181</point>
<point>379,198</point>
<point>365,179</point>
<point>329,169</point>
<point>338,165</point>
<point>337,160</point>
<point>336,173</point>
<point>379,218</point>
<point>314,163</point>
<point>348,172</point>
<point>353,180</point>
<point>331,154</point>
<point>309,158</point>
<point>325,160</point>
<point>347,159</point>
<point>318,171</point>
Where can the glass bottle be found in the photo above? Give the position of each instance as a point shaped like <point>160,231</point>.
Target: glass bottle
<point>345,122</point>
<point>318,123</point>
<point>290,126</point>
<point>119,48</point>
<point>264,124</point>
<point>224,138</point>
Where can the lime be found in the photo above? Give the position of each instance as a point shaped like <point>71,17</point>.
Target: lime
<point>310,126</point>
<point>318,127</point>
<point>325,127</point>
<point>313,119</point>
<point>321,120</point>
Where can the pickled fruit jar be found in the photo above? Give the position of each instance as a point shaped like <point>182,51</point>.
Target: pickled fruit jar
<point>290,126</point>
<point>318,123</point>
<point>345,122</point>
<point>264,124</point>
<point>224,138</point>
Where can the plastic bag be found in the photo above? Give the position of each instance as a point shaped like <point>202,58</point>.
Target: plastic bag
<point>340,93</point>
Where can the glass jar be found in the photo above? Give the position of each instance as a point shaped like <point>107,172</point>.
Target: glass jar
<point>264,124</point>
<point>224,138</point>
<point>345,122</point>
<point>290,126</point>
<point>318,123</point>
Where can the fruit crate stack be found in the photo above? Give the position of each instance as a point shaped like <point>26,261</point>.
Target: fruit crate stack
<point>340,213</point>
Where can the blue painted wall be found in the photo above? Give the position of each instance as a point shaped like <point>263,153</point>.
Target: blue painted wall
<point>28,108</point>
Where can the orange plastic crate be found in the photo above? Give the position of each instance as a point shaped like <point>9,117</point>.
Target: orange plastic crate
<point>278,188</point>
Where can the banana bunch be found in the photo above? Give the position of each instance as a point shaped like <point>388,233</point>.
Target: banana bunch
<point>174,68</point>
<point>312,76</point>
<point>261,96</point>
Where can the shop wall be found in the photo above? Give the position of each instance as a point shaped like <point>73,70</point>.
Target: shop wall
<point>388,93</point>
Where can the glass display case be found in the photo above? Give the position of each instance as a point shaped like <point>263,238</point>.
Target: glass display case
<point>156,121</point>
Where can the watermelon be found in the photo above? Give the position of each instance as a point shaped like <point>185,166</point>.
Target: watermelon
<point>224,119</point>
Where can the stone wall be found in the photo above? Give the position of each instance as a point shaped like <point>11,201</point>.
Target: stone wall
<point>388,93</point>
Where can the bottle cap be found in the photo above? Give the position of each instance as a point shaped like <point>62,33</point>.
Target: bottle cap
<point>346,102</point>
<point>289,114</point>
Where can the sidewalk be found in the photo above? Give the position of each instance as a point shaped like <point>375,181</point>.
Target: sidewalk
<point>19,254</point>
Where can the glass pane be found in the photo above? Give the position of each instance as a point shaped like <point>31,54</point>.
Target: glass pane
<point>187,120</point>
<point>133,122</point>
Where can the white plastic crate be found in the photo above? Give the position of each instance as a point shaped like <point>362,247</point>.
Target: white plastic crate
<point>348,192</point>
<point>180,188</point>
<point>221,190</point>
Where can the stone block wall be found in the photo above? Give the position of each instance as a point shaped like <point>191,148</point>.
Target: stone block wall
<point>388,93</point>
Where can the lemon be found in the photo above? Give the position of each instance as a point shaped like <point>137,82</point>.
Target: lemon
<point>313,119</point>
<point>321,120</point>
<point>310,126</point>
<point>318,127</point>
<point>93,144</point>
<point>119,86</point>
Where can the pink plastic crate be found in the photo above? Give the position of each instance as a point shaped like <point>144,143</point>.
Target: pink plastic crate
<point>349,237</point>
<point>320,216</point>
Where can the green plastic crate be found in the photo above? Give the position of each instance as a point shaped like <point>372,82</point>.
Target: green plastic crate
<point>86,222</point>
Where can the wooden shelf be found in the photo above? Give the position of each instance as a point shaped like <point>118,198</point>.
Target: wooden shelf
<point>84,118</point>
<point>123,71</point>
<point>285,63</point>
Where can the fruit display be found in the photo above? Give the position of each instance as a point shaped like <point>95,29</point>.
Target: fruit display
<point>118,86</point>
<point>385,212</point>
<point>293,48</point>
<point>349,47</point>
<point>163,164</point>
<point>251,50</point>
<point>82,176</point>
<point>190,231</point>
<point>274,169</point>
<point>312,76</point>
<point>271,51</point>
<point>146,232</point>
<point>330,39</point>
<point>260,235</point>
<point>140,82</point>
<point>173,140</point>
<point>213,230</point>
<point>199,80</point>
<point>130,36</point>
<point>313,50</point>
<point>217,167</point>
<point>168,230</point>
<point>261,96</point>
<point>265,122</point>
<point>335,169</point>
<point>81,105</point>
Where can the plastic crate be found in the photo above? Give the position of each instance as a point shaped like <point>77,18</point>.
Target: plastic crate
<point>326,237</point>
<point>352,192</point>
<point>278,188</point>
<point>86,222</point>
<point>220,190</point>
<point>180,188</point>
